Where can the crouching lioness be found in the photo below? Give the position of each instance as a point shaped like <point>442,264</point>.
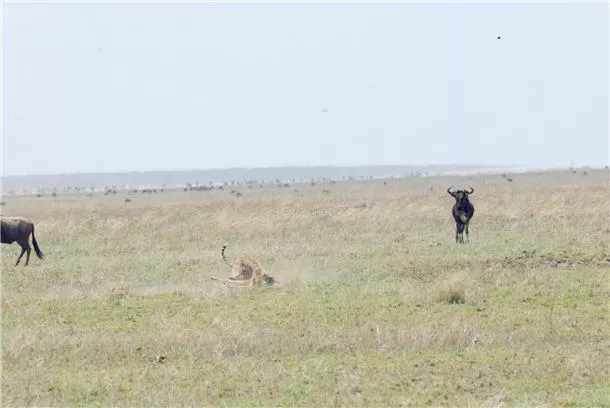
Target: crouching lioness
<point>246,269</point>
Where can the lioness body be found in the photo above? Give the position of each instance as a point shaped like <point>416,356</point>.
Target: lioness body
<point>245,269</point>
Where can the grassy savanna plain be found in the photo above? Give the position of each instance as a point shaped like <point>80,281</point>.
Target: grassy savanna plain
<point>123,310</point>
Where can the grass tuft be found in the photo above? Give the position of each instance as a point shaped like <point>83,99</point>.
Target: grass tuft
<point>119,293</point>
<point>452,294</point>
<point>452,290</point>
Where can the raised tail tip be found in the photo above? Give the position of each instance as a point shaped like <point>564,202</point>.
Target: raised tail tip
<point>269,280</point>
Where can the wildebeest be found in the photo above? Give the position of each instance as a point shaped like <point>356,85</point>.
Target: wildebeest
<point>462,211</point>
<point>19,229</point>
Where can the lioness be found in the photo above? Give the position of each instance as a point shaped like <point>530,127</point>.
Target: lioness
<point>246,269</point>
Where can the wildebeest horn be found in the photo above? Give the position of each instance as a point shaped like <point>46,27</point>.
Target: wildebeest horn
<point>449,189</point>
<point>471,190</point>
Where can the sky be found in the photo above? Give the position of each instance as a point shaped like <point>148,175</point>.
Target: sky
<point>164,86</point>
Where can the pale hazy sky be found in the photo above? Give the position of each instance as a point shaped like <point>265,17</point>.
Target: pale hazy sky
<point>149,86</point>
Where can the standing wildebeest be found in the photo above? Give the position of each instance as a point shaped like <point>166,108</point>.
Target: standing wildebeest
<point>462,211</point>
<point>19,229</point>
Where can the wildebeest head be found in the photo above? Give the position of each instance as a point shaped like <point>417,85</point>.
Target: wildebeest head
<point>460,195</point>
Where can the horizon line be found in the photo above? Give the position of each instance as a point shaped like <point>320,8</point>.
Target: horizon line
<point>278,167</point>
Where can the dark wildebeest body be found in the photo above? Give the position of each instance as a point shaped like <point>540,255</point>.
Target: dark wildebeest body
<point>462,211</point>
<point>19,230</point>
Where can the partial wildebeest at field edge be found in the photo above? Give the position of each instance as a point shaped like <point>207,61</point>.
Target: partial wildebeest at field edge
<point>462,211</point>
<point>19,229</point>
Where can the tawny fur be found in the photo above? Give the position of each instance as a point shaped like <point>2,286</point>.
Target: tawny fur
<point>246,269</point>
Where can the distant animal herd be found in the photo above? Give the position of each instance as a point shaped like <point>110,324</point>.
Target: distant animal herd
<point>19,229</point>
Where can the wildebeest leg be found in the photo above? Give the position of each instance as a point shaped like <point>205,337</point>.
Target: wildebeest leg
<point>27,257</point>
<point>25,248</point>
<point>20,255</point>
<point>460,233</point>
<point>467,234</point>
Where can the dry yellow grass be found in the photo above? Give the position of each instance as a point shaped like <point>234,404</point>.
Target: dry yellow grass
<point>123,312</point>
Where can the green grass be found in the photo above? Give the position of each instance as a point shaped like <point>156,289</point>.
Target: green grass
<point>123,311</point>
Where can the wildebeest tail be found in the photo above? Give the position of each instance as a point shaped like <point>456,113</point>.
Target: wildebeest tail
<point>222,253</point>
<point>36,247</point>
